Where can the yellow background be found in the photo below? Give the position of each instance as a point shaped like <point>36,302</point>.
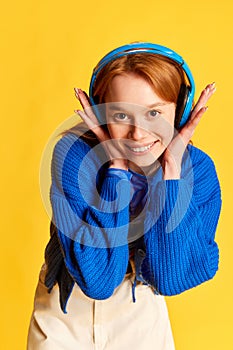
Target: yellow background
<point>48,48</point>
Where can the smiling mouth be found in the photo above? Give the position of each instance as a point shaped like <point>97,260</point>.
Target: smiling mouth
<point>141,150</point>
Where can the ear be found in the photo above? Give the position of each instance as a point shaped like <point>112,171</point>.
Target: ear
<point>181,103</point>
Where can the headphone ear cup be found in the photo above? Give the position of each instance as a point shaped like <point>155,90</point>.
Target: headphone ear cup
<point>96,99</point>
<point>181,104</point>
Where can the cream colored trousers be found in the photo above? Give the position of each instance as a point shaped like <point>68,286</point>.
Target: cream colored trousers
<point>112,324</point>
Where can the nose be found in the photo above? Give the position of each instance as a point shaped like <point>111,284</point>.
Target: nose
<point>137,133</point>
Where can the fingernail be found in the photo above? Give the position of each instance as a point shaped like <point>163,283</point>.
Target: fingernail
<point>76,92</point>
<point>213,87</point>
<point>207,90</point>
<point>76,111</point>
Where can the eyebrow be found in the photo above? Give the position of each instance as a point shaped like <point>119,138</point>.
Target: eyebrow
<point>158,104</point>
<point>118,106</point>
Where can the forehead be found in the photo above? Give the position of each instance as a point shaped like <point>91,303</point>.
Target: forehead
<point>131,88</point>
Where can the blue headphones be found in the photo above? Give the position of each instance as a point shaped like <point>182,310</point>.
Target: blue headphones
<point>186,95</point>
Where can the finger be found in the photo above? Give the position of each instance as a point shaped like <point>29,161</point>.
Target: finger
<point>90,123</point>
<point>188,130</point>
<point>82,97</point>
<point>204,97</point>
<point>206,93</point>
<point>84,101</point>
<point>98,131</point>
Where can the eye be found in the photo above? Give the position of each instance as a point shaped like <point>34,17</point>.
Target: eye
<point>120,116</point>
<point>153,113</point>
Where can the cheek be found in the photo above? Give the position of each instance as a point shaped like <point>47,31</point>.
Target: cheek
<point>112,130</point>
<point>163,129</point>
<point>167,135</point>
<point>117,131</point>
<point>167,125</point>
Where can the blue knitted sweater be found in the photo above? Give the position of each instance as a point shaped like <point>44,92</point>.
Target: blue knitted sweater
<point>91,206</point>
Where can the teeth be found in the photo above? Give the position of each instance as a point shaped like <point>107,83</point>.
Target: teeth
<point>141,149</point>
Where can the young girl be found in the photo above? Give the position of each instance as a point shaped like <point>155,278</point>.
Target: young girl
<point>135,208</point>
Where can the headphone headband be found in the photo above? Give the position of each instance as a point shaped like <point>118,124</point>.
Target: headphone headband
<point>146,47</point>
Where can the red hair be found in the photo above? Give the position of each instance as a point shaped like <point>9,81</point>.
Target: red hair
<point>164,75</point>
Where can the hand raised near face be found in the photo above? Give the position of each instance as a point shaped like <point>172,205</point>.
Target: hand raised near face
<point>89,118</point>
<point>172,157</point>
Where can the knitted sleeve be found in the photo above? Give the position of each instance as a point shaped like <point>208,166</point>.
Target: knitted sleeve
<point>182,218</point>
<point>92,225</point>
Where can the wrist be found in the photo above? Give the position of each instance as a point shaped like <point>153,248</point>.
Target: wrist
<point>171,171</point>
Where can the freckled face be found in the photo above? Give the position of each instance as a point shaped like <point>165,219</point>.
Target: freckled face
<point>140,120</point>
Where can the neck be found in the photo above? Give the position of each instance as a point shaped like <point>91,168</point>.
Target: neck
<point>145,170</point>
